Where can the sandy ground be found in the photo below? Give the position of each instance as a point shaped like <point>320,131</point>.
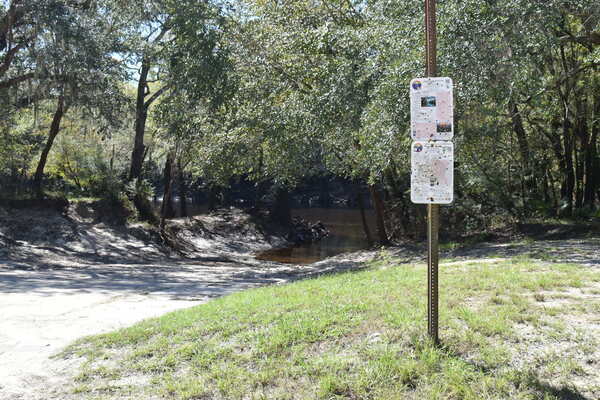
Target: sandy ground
<point>97,279</point>
<point>43,310</point>
<point>89,278</point>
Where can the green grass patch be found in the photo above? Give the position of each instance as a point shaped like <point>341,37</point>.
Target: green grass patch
<point>352,336</point>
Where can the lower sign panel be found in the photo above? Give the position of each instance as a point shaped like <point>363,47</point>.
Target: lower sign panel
<point>432,172</point>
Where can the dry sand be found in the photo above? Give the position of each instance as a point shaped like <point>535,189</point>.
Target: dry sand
<point>75,277</point>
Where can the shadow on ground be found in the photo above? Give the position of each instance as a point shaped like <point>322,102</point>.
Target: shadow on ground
<point>577,251</point>
<point>200,277</point>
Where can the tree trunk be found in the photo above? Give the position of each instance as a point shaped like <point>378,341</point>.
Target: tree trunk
<point>167,209</point>
<point>554,183</point>
<point>379,215</point>
<point>527,178</point>
<point>54,129</point>
<point>112,159</point>
<point>141,115</point>
<point>399,212</point>
<point>591,175</point>
<point>420,222</point>
<point>392,180</point>
<point>582,134</point>
<point>569,172</point>
<point>592,163</point>
<point>518,128</point>
<point>282,210</point>
<point>183,209</point>
<point>363,218</point>
<point>545,185</point>
<point>212,198</point>
<point>579,175</point>
<point>324,195</point>
<point>555,139</point>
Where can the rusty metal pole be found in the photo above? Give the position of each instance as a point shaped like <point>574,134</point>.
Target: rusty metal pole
<point>430,38</point>
<point>433,210</point>
<point>433,221</point>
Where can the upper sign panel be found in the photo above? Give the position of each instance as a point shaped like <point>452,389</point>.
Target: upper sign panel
<point>431,109</point>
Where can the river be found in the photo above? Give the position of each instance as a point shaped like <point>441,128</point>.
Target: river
<point>346,234</point>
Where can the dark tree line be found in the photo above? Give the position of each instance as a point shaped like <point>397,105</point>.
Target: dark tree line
<point>130,99</point>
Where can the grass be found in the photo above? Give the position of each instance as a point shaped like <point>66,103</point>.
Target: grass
<point>362,336</point>
<point>83,199</point>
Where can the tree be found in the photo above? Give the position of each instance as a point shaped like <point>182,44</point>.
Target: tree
<point>195,73</point>
<point>77,56</point>
<point>537,83</point>
<point>18,22</point>
<point>147,50</point>
<point>305,73</point>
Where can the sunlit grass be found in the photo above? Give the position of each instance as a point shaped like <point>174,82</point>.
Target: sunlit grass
<point>354,335</point>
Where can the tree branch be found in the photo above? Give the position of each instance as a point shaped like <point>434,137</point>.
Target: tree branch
<point>16,80</point>
<point>165,28</point>
<point>10,55</point>
<point>10,20</point>
<point>156,95</point>
<point>589,41</point>
<point>567,76</point>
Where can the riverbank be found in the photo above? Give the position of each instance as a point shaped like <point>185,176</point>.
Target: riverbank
<point>64,275</point>
<point>94,231</point>
<point>78,275</point>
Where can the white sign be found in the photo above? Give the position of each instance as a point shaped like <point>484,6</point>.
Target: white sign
<point>432,172</point>
<point>431,109</point>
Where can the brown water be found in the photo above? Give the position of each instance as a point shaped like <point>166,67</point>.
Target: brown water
<point>346,234</point>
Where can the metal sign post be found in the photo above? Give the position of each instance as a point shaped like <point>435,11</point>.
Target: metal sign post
<point>433,210</point>
<point>433,223</point>
<point>430,38</point>
<point>432,156</point>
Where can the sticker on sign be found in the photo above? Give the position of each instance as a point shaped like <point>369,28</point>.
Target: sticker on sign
<point>431,109</point>
<point>432,172</point>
